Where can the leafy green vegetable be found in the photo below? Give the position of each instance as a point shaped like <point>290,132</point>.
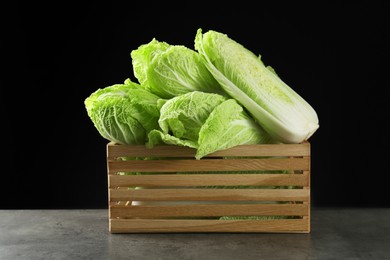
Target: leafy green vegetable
<point>158,137</point>
<point>206,121</point>
<point>227,126</point>
<point>284,114</point>
<point>214,97</point>
<point>171,70</point>
<point>142,56</point>
<point>123,113</point>
<point>184,115</point>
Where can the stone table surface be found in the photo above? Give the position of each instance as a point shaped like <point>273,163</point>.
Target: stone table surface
<point>336,233</point>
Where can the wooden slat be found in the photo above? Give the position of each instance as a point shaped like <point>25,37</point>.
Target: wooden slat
<point>211,210</point>
<point>208,180</point>
<point>209,194</point>
<point>116,150</point>
<point>243,226</point>
<point>209,165</point>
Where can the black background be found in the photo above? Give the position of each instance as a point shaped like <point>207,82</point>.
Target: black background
<point>335,55</point>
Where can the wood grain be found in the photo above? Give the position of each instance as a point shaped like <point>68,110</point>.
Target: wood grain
<point>171,191</point>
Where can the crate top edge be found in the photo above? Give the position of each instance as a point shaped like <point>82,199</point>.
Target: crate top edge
<point>296,149</point>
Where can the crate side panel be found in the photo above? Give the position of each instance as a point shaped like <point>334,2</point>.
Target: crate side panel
<point>180,188</point>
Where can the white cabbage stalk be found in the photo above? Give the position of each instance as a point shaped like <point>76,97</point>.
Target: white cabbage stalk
<point>282,112</point>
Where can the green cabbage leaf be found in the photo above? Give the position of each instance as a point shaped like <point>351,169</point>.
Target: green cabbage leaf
<point>123,113</point>
<point>171,70</point>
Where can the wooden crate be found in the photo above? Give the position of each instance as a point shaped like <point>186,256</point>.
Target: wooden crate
<point>165,189</point>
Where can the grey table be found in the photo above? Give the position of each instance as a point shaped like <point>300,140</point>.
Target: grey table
<point>337,233</point>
